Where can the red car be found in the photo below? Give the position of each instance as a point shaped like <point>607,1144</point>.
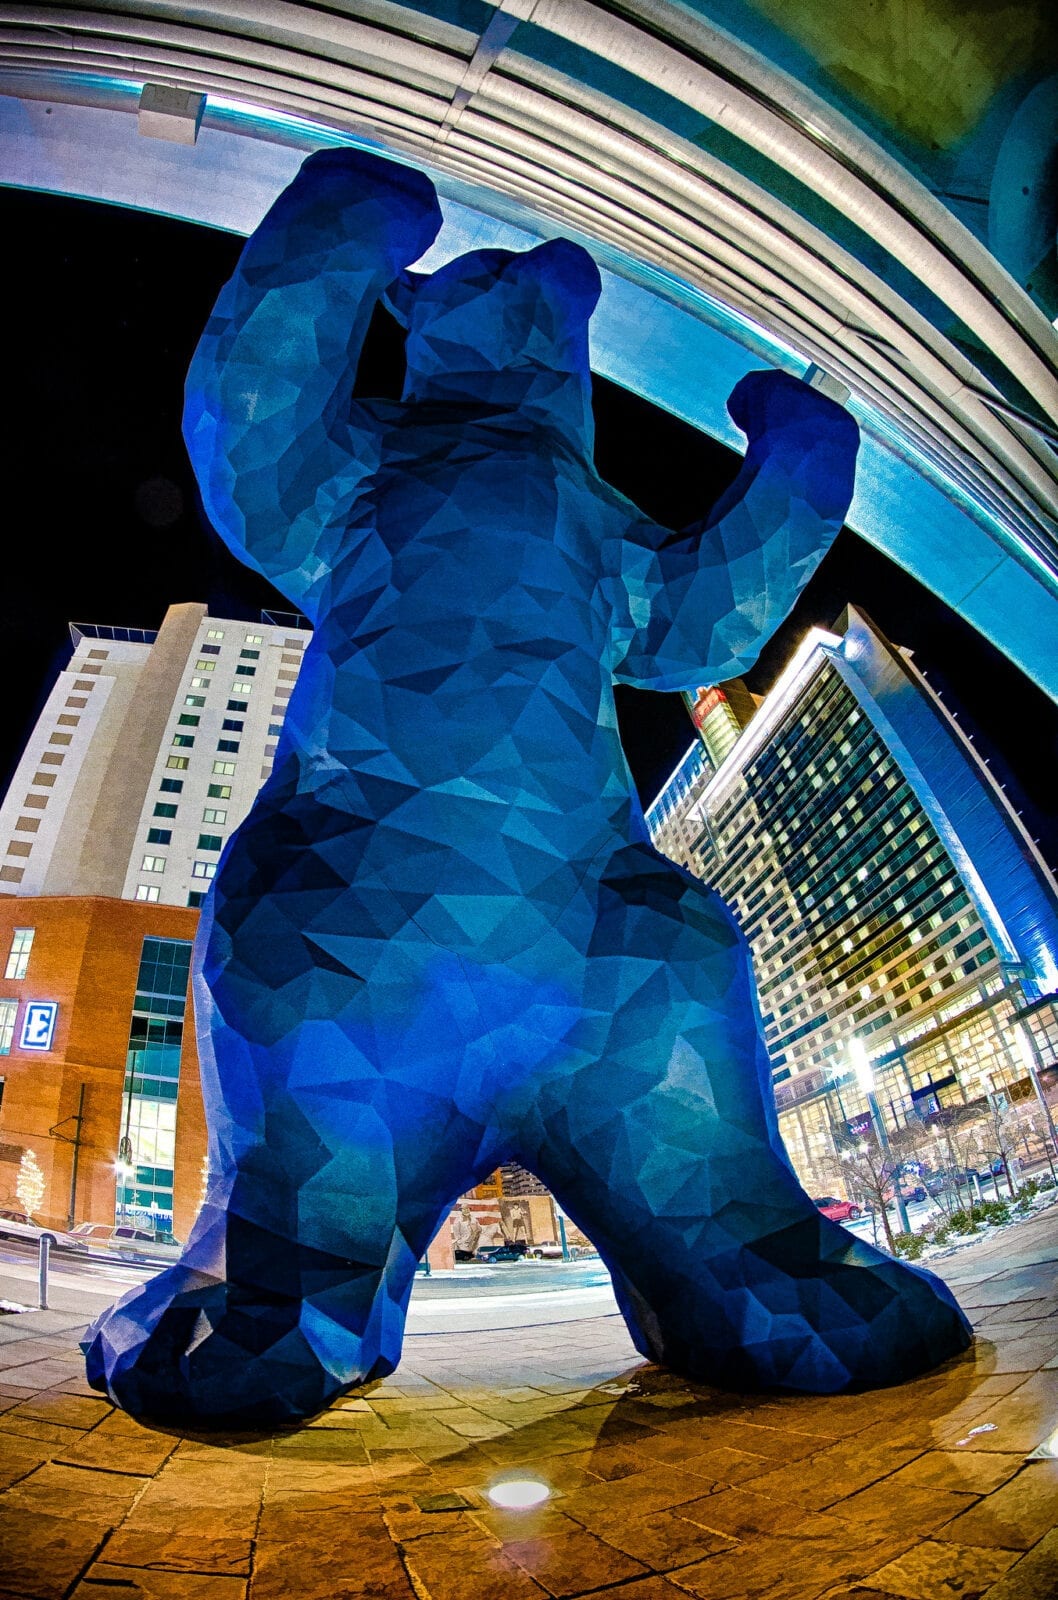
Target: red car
<point>837,1210</point>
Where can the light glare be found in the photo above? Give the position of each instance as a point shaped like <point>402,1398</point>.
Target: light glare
<point>517,1494</point>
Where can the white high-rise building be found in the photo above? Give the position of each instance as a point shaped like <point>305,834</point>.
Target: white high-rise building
<point>148,753</point>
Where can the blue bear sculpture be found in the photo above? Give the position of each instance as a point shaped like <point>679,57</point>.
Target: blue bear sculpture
<point>441,940</point>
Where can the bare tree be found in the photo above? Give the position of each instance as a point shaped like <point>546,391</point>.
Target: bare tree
<point>872,1172</point>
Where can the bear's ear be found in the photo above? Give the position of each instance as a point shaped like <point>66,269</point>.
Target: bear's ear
<point>571,269</point>
<point>400,296</point>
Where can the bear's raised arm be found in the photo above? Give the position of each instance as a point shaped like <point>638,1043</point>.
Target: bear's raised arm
<point>266,416</point>
<point>702,604</point>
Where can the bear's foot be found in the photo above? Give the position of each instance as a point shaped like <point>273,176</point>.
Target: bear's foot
<point>190,1351</point>
<point>807,1309</point>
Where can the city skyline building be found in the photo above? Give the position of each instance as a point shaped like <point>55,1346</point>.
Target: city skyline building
<point>148,753</point>
<point>887,890</point>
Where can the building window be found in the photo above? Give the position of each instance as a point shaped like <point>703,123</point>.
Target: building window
<point>204,869</point>
<point>153,864</point>
<point>172,785</point>
<point>241,688</point>
<point>224,769</point>
<point>249,655</point>
<point>245,672</point>
<point>275,729</point>
<point>236,705</point>
<point>187,720</point>
<point>18,959</point>
<point>231,745</point>
<point>200,683</point>
<point>152,1072</point>
<point>196,897</point>
<point>210,841</point>
<point>184,741</point>
<point>148,891</point>
<point>205,666</point>
<point>219,791</point>
<point>159,836</point>
<point>164,809</point>
<point>8,1011</point>
<point>194,699</point>
<point>230,725</point>
<point>215,633</point>
<point>212,814</point>
<point>254,638</point>
<point>179,763</point>
<point>211,649</point>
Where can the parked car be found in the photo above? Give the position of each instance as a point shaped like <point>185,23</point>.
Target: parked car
<point>837,1210</point>
<point>949,1178</point>
<point>17,1225</point>
<point>911,1189</point>
<point>514,1251</point>
<point>126,1240</point>
<point>547,1250</point>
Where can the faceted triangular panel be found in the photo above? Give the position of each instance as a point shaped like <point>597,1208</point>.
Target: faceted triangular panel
<point>441,940</point>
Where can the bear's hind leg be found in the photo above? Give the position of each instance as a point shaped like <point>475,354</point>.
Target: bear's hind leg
<point>661,1145</point>
<point>343,1082</point>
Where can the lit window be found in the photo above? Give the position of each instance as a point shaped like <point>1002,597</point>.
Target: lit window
<point>205,666</point>
<point>8,1009</point>
<point>159,836</point>
<point>212,814</point>
<point>204,869</point>
<point>241,688</point>
<point>148,891</point>
<point>194,699</point>
<point>200,683</point>
<point>179,763</point>
<point>219,791</point>
<point>254,638</point>
<point>18,959</point>
<point>224,769</point>
<point>153,864</point>
<point>164,809</point>
<point>215,633</point>
<point>210,841</point>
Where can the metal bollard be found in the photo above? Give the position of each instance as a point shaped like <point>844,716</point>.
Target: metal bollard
<point>45,1244</point>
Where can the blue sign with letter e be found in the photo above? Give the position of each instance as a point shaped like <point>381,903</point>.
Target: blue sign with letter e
<point>38,1024</point>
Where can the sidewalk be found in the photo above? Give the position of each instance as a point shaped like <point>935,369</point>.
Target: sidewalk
<point>660,1489</point>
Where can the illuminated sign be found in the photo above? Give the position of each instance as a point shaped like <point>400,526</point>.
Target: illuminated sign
<point>38,1024</point>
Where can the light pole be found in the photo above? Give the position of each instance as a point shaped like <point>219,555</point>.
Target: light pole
<point>865,1079</point>
<point>1027,1051</point>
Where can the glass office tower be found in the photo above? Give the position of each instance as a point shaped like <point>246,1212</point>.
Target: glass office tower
<point>887,890</point>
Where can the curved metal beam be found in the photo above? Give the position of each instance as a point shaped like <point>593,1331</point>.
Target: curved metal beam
<point>580,116</point>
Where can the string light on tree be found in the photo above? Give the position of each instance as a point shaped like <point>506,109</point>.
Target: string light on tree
<point>30,1186</point>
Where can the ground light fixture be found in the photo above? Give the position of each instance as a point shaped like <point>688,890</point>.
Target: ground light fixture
<point>519,1494</point>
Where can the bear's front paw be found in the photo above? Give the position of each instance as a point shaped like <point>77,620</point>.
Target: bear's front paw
<point>192,1352</point>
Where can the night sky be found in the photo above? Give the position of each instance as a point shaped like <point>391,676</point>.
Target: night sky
<point>105,306</point>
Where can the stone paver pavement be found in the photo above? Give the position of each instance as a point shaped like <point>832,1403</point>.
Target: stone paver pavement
<point>660,1489</point>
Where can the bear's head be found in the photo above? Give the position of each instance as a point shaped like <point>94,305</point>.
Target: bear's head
<point>506,329</point>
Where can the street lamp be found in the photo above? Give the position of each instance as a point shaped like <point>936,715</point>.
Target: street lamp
<point>865,1079</point>
<point>1027,1052</point>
